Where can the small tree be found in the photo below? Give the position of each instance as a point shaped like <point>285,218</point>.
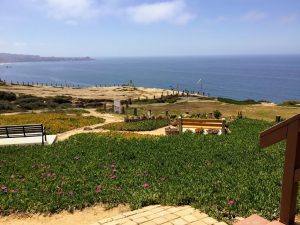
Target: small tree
<point>217,114</point>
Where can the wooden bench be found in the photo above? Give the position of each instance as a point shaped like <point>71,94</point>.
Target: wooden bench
<point>20,131</point>
<point>201,123</point>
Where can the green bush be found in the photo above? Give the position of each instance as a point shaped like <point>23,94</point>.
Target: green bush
<point>31,102</point>
<point>290,103</point>
<point>144,125</point>
<point>164,99</point>
<point>217,114</point>
<point>237,102</point>
<point>8,96</point>
<point>62,99</point>
<point>200,170</point>
<point>6,106</point>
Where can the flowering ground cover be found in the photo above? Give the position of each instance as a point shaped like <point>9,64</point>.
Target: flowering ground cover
<point>224,176</point>
<point>144,125</point>
<point>54,122</point>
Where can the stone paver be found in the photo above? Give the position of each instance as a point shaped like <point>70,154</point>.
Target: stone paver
<point>161,215</point>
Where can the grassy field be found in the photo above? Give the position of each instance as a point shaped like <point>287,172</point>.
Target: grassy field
<point>145,125</point>
<point>224,176</point>
<point>54,122</point>
<point>257,111</point>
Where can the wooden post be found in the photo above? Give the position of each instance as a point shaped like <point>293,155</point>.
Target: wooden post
<point>167,114</point>
<point>130,101</point>
<point>289,187</point>
<point>149,113</point>
<point>126,104</point>
<point>104,107</point>
<point>277,119</point>
<point>223,125</point>
<point>122,110</point>
<point>179,120</point>
<point>135,111</point>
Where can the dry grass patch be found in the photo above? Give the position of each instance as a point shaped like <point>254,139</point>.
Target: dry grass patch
<point>54,122</point>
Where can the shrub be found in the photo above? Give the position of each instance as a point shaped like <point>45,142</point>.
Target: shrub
<point>6,106</point>
<point>62,99</point>
<point>31,103</point>
<point>8,96</point>
<point>237,102</point>
<point>290,103</point>
<point>144,125</point>
<point>217,114</point>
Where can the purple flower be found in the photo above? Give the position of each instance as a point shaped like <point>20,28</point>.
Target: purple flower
<point>4,189</point>
<point>12,177</point>
<point>146,185</point>
<point>231,202</point>
<point>113,177</point>
<point>32,167</point>
<point>114,170</point>
<point>113,165</point>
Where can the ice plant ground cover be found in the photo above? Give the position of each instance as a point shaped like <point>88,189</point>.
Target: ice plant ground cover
<point>224,176</point>
<point>144,125</point>
<point>54,122</point>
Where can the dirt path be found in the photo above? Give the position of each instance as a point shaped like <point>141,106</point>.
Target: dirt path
<point>109,118</point>
<point>87,216</point>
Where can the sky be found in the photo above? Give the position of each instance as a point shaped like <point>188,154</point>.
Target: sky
<point>118,28</point>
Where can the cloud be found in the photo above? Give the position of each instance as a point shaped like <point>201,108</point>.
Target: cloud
<point>168,11</point>
<point>254,16</point>
<point>289,18</point>
<point>71,9</point>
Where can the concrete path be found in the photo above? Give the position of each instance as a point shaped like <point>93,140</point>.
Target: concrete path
<point>27,140</point>
<point>161,215</point>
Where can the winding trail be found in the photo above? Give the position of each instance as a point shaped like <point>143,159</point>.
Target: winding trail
<point>109,118</point>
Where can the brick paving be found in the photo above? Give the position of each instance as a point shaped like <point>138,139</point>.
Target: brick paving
<point>161,215</point>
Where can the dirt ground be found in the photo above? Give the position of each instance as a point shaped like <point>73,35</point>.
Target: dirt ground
<point>259,111</point>
<point>107,93</point>
<point>87,216</point>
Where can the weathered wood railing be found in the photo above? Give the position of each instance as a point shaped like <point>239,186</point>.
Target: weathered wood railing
<point>288,130</point>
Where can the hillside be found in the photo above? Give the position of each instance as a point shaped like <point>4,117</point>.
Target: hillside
<point>12,58</point>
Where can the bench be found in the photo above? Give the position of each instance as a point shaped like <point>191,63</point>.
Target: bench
<point>20,131</point>
<point>201,124</point>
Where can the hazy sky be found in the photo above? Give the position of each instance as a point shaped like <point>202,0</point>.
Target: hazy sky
<point>149,27</point>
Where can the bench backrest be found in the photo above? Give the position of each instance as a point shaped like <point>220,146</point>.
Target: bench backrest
<point>22,129</point>
<point>205,123</point>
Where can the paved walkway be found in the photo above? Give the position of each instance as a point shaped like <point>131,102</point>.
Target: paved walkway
<point>161,215</point>
<point>27,140</point>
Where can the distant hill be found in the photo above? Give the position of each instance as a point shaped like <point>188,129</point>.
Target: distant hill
<point>12,58</point>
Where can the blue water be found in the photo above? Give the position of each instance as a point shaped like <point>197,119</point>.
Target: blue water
<point>275,78</point>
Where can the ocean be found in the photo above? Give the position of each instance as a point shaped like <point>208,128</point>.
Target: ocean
<point>274,78</point>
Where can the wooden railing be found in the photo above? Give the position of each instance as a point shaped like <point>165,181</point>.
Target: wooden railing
<point>288,130</point>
